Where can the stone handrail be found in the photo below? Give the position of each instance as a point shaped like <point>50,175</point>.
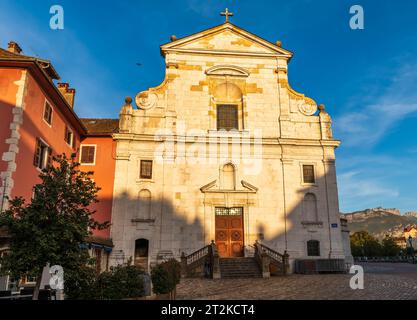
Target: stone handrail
<point>262,250</point>
<point>263,261</point>
<point>206,257</point>
<point>214,261</point>
<point>196,256</point>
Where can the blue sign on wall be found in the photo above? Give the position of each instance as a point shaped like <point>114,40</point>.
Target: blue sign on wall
<point>334,225</point>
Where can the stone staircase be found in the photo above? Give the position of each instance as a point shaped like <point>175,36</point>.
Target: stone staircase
<point>231,268</point>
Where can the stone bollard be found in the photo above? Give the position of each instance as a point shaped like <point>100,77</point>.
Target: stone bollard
<point>183,265</point>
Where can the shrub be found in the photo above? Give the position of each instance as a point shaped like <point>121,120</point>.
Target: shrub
<point>80,284</point>
<point>120,282</point>
<point>166,276</point>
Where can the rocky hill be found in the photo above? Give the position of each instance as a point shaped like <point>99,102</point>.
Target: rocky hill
<point>380,221</point>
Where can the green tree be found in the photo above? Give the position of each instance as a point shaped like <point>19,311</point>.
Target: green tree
<point>166,276</point>
<point>364,244</point>
<point>120,282</point>
<point>390,248</point>
<point>51,228</point>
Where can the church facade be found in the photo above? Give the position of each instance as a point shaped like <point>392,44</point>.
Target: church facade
<point>225,150</point>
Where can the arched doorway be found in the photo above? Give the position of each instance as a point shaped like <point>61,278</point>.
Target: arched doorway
<point>142,253</point>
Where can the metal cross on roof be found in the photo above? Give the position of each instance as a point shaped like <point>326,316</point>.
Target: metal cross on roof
<point>226,14</point>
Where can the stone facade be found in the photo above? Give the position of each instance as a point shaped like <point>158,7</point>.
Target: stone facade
<point>258,167</point>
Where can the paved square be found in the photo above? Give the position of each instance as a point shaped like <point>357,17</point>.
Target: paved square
<point>392,281</point>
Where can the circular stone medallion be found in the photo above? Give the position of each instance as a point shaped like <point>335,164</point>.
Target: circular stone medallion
<point>146,100</point>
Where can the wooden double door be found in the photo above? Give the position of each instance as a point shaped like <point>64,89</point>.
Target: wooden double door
<point>229,232</point>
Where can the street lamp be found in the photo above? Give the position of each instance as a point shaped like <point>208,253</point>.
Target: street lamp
<point>410,242</point>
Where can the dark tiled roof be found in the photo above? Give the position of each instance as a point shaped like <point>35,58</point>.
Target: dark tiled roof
<point>7,54</point>
<point>46,65</point>
<point>101,126</point>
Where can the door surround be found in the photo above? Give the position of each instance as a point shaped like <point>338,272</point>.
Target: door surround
<point>229,231</point>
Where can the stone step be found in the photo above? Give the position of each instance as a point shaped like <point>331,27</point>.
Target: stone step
<point>240,276</point>
<point>239,268</point>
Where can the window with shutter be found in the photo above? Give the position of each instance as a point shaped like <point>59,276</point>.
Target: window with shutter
<point>37,155</point>
<point>47,113</point>
<point>43,154</point>
<point>69,136</point>
<point>146,169</point>
<point>308,174</point>
<point>88,154</point>
<point>49,157</point>
<point>227,117</point>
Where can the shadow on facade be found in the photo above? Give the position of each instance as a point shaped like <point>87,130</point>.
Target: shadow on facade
<point>148,229</point>
<point>147,226</point>
<point>156,229</point>
<point>18,172</point>
<point>313,227</point>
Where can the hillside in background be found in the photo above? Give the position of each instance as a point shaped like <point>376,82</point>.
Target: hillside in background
<point>380,221</point>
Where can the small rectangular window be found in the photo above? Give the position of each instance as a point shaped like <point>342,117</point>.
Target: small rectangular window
<point>146,169</point>
<point>227,117</point>
<point>69,136</point>
<point>88,154</point>
<point>313,248</point>
<point>308,174</point>
<point>47,113</point>
<point>43,155</point>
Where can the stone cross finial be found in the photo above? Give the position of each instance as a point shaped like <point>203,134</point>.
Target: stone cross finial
<point>227,14</point>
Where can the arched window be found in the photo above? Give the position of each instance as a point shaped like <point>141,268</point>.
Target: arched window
<point>229,177</point>
<point>313,248</point>
<point>309,208</point>
<point>144,210</point>
<point>228,100</point>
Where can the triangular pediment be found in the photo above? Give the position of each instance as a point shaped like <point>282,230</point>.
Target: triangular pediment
<point>213,187</point>
<point>225,38</point>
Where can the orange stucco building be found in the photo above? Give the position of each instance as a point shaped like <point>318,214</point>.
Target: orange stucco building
<point>37,122</point>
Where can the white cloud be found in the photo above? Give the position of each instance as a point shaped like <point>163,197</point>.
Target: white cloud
<point>353,185</point>
<point>204,8</point>
<point>373,121</point>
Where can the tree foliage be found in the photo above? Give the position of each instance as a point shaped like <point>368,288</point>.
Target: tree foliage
<point>390,247</point>
<point>166,276</point>
<point>365,245</point>
<point>120,282</point>
<point>51,228</point>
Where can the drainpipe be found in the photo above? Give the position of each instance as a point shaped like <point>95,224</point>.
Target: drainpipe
<point>3,198</point>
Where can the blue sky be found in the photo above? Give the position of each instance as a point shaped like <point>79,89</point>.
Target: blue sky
<point>366,78</point>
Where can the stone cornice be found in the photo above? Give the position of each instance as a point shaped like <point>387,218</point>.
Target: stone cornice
<point>265,141</point>
<point>226,53</point>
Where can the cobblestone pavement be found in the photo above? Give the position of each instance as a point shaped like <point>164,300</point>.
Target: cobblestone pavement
<point>382,281</point>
